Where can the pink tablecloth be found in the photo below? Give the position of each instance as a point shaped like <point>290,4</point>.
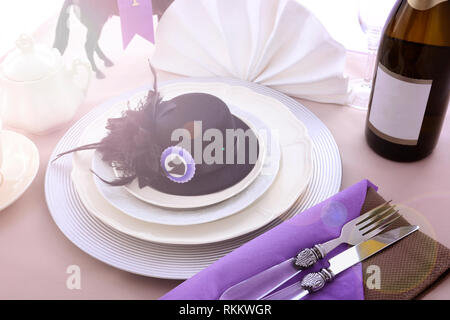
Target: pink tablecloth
<point>34,254</point>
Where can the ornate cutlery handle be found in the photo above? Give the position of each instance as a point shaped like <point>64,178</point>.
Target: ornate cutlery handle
<point>308,257</point>
<point>315,281</point>
<point>312,282</point>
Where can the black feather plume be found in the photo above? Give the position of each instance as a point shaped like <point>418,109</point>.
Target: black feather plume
<point>130,145</point>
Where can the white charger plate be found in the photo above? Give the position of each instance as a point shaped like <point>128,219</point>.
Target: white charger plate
<point>293,177</point>
<point>130,205</point>
<point>174,261</point>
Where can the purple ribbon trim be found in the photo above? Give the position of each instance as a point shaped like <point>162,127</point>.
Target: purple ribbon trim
<point>136,17</point>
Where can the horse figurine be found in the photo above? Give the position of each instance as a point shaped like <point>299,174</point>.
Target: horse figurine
<point>94,14</point>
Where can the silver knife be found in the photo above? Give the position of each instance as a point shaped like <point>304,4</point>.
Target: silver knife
<point>313,282</point>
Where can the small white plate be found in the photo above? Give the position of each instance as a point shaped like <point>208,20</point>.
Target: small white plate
<point>161,199</point>
<point>19,168</point>
<point>132,206</point>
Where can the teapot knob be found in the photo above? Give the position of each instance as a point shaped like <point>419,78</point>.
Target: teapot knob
<point>79,67</point>
<point>25,43</point>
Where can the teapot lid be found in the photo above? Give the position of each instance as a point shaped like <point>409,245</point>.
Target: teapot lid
<point>29,61</point>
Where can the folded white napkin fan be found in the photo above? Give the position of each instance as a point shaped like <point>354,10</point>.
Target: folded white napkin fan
<point>276,43</point>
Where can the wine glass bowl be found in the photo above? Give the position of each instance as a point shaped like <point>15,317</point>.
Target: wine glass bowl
<point>372,15</point>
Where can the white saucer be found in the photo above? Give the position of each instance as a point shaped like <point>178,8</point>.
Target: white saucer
<point>19,168</point>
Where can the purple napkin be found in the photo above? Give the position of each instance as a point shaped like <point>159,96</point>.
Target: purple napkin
<point>315,225</point>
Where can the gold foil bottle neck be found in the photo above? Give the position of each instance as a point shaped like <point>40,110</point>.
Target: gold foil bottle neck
<point>424,4</point>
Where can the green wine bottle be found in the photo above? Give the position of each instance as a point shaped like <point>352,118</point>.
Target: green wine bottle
<point>411,85</point>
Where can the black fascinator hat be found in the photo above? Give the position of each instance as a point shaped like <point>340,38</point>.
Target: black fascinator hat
<point>189,145</point>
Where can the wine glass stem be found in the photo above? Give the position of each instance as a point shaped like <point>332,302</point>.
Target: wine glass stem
<point>368,74</point>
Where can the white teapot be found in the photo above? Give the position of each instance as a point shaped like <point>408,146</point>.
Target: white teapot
<point>37,92</point>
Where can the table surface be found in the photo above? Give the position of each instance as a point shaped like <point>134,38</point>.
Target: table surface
<point>35,255</point>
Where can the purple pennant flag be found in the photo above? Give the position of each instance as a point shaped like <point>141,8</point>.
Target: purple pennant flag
<point>136,17</point>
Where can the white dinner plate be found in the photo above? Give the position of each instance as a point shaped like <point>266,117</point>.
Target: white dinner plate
<point>128,204</point>
<point>131,254</point>
<point>294,174</point>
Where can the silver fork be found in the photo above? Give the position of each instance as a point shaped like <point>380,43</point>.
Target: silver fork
<point>353,232</point>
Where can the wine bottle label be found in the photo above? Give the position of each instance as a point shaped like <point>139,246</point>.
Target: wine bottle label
<point>424,4</point>
<point>398,107</point>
